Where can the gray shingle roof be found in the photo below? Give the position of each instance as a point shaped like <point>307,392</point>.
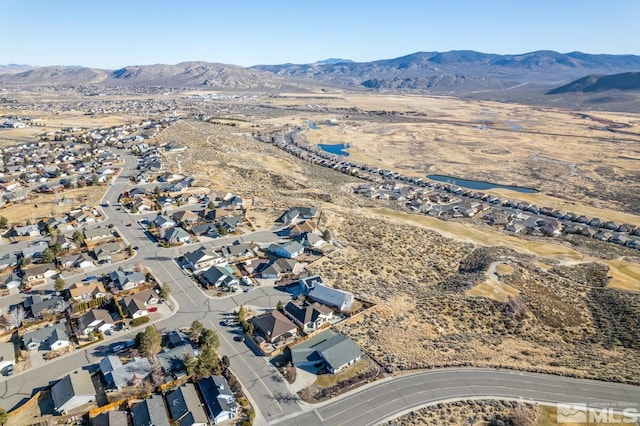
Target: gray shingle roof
<point>150,412</point>
<point>334,348</point>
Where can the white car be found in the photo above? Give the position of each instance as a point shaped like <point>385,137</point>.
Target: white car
<point>247,281</point>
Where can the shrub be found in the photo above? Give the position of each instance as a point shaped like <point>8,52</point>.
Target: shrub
<point>139,321</point>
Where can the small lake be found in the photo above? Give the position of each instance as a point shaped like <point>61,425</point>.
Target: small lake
<point>311,125</point>
<point>337,149</point>
<point>479,184</point>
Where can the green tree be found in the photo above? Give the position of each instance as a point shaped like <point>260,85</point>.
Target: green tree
<point>222,230</point>
<point>149,341</point>
<point>249,328</point>
<point>241,314</point>
<point>165,290</point>
<point>48,255</point>
<point>190,364</point>
<point>208,363</point>
<point>210,205</point>
<point>209,338</point>
<point>95,179</point>
<point>4,222</point>
<point>196,331</point>
<point>130,250</point>
<point>4,416</point>
<point>78,237</point>
<point>59,284</point>
<point>326,235</point>
<point>279,305</point>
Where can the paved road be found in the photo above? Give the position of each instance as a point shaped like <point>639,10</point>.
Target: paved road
<point>390,398</point>
<point>260,379</point>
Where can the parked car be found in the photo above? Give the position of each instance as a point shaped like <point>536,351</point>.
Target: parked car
<point>9,370</point>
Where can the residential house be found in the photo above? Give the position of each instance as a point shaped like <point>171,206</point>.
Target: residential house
<point>218,399</point>
<point>66,242</point>
<point>237,251</point>
<point>138,192</point>
<point>218,214</point>
<point>231,223</point>
<point>118,375</point>
<point>297,214</point>
<point>148,297</point>
<point>126,280</point>
<point>303,227</point>
<point>87,290</point>
<point>39,304</point>
<point>185,406</point>
<point>202,258</point>
<point>10,281</point>
<point>81,260</point>
<point>172,359</point>
<point>308,316</point>
<point>233,203</point>
<point>163,222</point>
<point>185,217</point>
<point>49,338</point>
<point>9,260</point>
<point>289,250</point>
<point>311,240</point>
<point>7,356</point>
<point>177,235</point>
<point>274,326</point>
<point>165,202</point>
<point>328,349</point>
<point>34,250</point>
<point>103,252</point>
<point>279,267</point>
<point>111,418</point>
<point>27,231</point>
<point>134,307</point>
<point>95,320</point>
<point>205,229</point>
<point>341,299</point>
<point>97,233</point>
<point>142,205</point>
<point>150,412</point>
<point>72,391</point>
<point>219,276</point>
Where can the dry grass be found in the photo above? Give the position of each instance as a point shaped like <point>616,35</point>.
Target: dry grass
<point>328,380</point>
<point>44,205</point>
<point>493,289</point>
<point>472,413</point>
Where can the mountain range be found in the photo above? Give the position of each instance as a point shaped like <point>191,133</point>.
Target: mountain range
<point>523,77</point>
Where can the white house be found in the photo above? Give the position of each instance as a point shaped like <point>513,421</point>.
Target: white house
<point>319,292</point>
<point>95,320</point>
<point>49,338</point>
<point>72,391</point>
<point>201,259</point>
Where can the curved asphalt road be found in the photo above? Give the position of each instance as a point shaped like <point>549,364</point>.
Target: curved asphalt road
<point>391,398</point>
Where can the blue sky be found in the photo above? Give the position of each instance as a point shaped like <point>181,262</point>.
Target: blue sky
<point>114,33</point>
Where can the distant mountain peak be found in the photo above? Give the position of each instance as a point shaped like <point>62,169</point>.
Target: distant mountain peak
<point>333,61</point>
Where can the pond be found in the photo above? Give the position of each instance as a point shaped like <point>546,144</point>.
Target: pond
<point>479,184</point>
<point>337,149</point>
